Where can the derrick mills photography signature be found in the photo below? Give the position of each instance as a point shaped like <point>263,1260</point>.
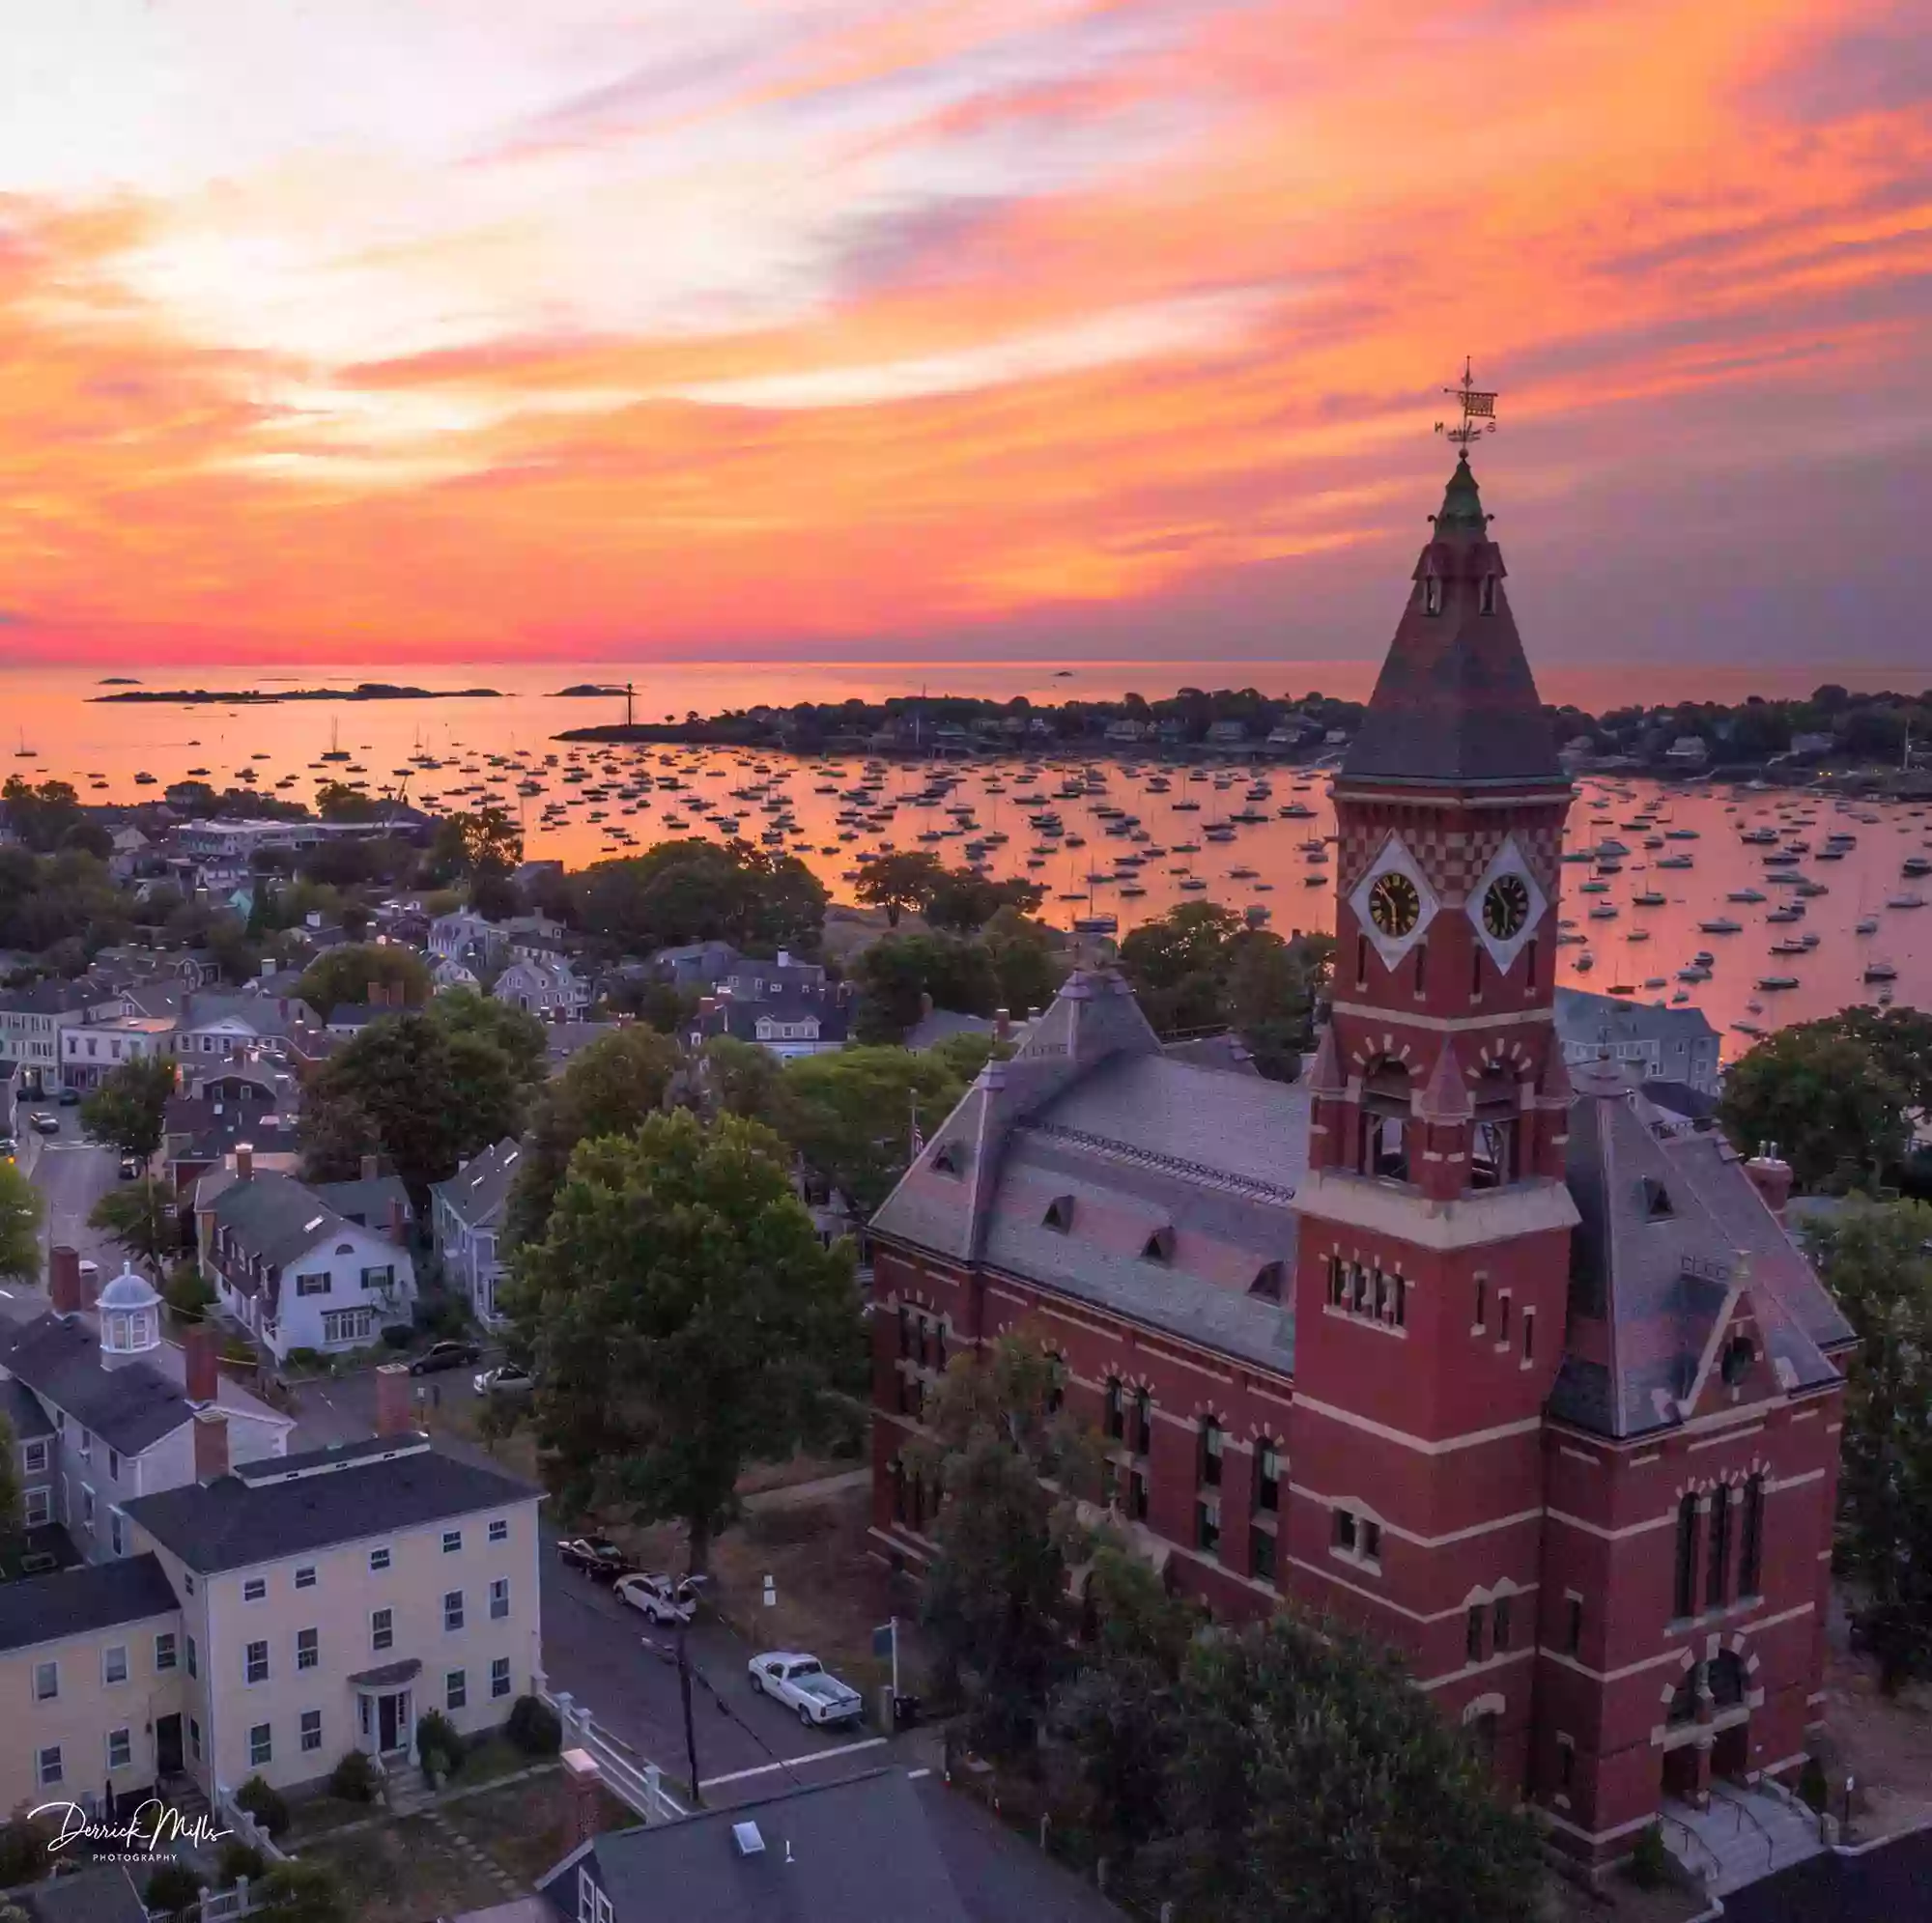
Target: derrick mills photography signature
<point>153,1826</point>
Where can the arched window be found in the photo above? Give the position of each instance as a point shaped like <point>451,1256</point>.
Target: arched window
<point>1212,1439</point>
<point>1143,1421</point>
<point>1116,1416</point>
<point>1726,1673</point>
<point>1751,1550</point>
<point>1492,1141</point>
<point>1485,597</point>
<point>1431,594</point>
<point>1684,1595</point>
<point>1719,1547</point>
<point>1267,1475</point>
<point>1684,1698</point>
<point>1385,1113</point>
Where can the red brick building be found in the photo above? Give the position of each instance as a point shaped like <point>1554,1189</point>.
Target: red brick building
<point>1510,1370</point>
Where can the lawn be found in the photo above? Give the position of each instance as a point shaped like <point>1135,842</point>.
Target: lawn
<point>404,1871</point>
<point>520,1826</point>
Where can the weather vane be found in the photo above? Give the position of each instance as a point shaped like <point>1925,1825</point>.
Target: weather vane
<point>1478,408</point>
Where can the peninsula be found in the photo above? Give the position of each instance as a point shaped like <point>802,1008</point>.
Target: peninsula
<point>363,691</point>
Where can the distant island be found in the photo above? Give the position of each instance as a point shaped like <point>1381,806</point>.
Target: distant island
<point>363,691</point>
<point>583,688</point>
<point>118,681</point>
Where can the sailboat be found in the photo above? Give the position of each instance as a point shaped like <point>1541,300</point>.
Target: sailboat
<point>336,750</point>
<point>23,752</point>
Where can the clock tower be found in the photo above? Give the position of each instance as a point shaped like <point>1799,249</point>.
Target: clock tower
<point>1433,1260</point>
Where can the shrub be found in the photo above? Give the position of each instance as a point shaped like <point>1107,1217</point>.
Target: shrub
<point>440,1315</point>
<point>303,1359</point>
<point>267,1806</point>
<point>354,1778</point>
<point>534,1726</point>
<point>23,1851</point>
<point>302,1892</point>
<point>397,1335</point>
<point>172,1886</point>
<point>1812,1784</point>
<point>1649,1863</point>
<point>236,1860</point>
<point>438,1736</point>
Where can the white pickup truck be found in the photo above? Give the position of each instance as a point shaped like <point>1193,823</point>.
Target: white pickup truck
<point>799,1682</point>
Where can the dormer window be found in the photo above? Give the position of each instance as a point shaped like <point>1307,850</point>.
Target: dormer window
<point>1267,1283</point>
<point>1058,1215</point>
<point>1159,1246</point>
<point>1656,1200</point>
<point>946,1158</point>
<point>1486,594</point>
<point>1431,594</point>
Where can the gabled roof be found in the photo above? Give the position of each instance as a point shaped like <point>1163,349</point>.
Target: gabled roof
<point>1455,703</point>
<point>272,1508</point>
<point>77,1601</point>
<point>274,1216</point>
<point>1671,1231</point>
<point>478,1190</point>
<point>129,1408</point>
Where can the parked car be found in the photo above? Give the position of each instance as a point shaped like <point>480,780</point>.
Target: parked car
<point>507,1378</point>
<point>42,1124</point>
<point>442,1355</point>
<point>9,1147</point>
<point>597,1556</point>
<point>802,1683</point>
<point>661,1598</point>
<point>68,1098</point>
<point>131,1169</point>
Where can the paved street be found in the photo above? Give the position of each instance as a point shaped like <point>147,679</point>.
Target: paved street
<point>616,1664</point>
<point>1894,1881</point>
<point>72,1177</point>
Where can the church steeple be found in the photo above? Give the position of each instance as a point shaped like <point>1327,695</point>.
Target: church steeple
<point>1455,703</point>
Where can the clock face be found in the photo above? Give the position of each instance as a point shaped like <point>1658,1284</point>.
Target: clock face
<point>1506,906</point>
<point>1394,904</point>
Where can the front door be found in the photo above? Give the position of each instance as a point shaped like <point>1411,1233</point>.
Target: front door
<point>167,1745</point>
<point>392,1722</point>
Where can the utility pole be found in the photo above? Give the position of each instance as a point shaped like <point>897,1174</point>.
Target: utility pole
<point>690,1730</point>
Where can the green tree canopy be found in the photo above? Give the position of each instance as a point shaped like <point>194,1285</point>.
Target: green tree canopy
<point>1029,961</point>
<point>488,843</point>
<point>905,879</point>
<point>1875,1259</point>
<point>20,1212</point>
<point>130,1108</point>
<point>607,1088</point>
<point>693,890</point>
<point>1824,1097</point>
<point>518,1035</point>
<point>850,1114</point>
<point>346,975</point>
<point>740,1078</point>
<point>895,973</point>
<point>408,1088</point>
<point>964,901</point>
<point>684,1319</point>
<point>143,1219</point>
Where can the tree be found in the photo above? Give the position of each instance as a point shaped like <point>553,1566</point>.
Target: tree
<point>739,1077</point>
<point>691,891</point>
<point>1029,962</point>
<point>488,843</point>
<point>1823,1098</point>
<point>519,1035</point>
<point>850,1114</point>
<point>1875,1259</point>
<point>130,1108</point>
<point>1004,1541</point>
<point>1307,1777</point>
<point>301,1890</point>
<point>685,1322</point>
<point>347,974</point>
<point>142,1218</point>
<point>20,1211</point>
<point>964,901</point>
<point>408,1088</point>
<point>607,1088</point>
<point>896,973</point>
<point>899,881</point>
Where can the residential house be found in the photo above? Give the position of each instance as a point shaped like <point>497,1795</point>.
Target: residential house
<point>544,985</point>
<point>115,1405</point>
<point>96,1049</point>
<point>466,1214</point>
<point>242,1025</point>
<point>750,981</point>
<point>130,849</point>
<point>695,964</point>
<point>1688,751</point>
<point>1658,1044</point>
<point>328,1601</point>
<point>33,1018</point>
<point>320,1267</point>
<point>789,1022</point>
<point>449,973</point>
<point>203,1132</point>
<point>890,1845</point>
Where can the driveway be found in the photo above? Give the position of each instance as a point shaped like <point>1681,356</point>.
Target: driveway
<point>616,1664</point>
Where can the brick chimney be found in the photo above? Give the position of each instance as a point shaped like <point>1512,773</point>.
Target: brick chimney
<point>372,1166</point>
<point>63,1278</point>
<point>201,1362</point>
<point>244,1161</point>
<point>1771,1176</point>
<point>211,1445</point>
<point>1002,1025</point>
<point>90,1285</point>
<point>582,1780</point>
<point>396,1403</point>
<point>399,1220</point>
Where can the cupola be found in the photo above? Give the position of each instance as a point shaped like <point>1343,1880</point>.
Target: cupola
<point>130,1320</point>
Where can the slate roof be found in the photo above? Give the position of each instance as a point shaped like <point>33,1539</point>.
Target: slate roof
<point>201,1130</point>
<point>365,1202</point>
<point>278,1218</point>
<point>271,1510</point>
<point>874,1849</point>
<point>76,1602</point>
<point>1669,1223</point>
<point>1584,1017</point>
<point>129,1408</point>
<point>1456,701</point>
<point>21,1410</point>
<point>740,1018</point>
<point>479,1189</point>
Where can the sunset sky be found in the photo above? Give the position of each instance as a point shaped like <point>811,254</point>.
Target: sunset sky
<point>456,329</point>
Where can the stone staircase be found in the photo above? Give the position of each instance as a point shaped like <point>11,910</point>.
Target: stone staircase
<point>1746,1834</point>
